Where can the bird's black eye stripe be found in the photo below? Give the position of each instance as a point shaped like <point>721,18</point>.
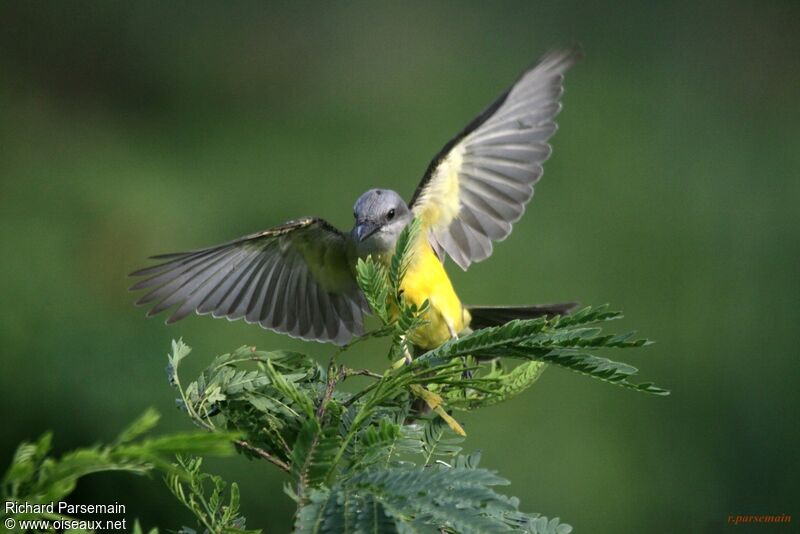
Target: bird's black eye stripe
<point>390,215</point>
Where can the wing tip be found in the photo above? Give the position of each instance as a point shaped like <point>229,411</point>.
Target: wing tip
<point>563,56</point>
<point>140,272</point>
<point>178,315</point>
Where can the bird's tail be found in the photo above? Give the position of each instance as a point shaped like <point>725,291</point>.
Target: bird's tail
<point>485,316</point>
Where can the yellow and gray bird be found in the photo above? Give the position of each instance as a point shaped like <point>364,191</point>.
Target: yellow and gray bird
<point>299,278</point>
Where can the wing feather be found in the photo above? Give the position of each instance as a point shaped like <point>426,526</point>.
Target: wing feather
<point>296,278</point>
<point>235,291</point>
<point>257,293</point>
<point>271,287</point>
<point>241,302</point>
<point>477,186</point>
<point>303,321</point>
<point>170,293</point>
<point>204,288</point>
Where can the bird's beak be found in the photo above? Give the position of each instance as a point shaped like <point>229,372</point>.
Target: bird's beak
<point>364,229</point>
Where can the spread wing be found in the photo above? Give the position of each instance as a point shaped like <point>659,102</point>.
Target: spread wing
<point>479,183</point>
<point>296,278</point>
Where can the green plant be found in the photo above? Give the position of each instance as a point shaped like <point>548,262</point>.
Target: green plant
<point>36,478</point>
<point>384,459</point>
<point>387,458</point>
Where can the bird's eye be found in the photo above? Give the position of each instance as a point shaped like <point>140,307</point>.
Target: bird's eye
<point>390,215</point>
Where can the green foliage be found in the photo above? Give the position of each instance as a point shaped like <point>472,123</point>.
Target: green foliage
<point>35,477</point>
<point>384,459</point>
<point>314,452</point>
<point>388,458</point>
<point>204,496</point>
<point>373,280</point>
<point>381,286</point>
<point>384,443</point>
<point>560,341</point>
<point>402,256</point>
<point>137,529</point>
<point>410,499</point>
<point>494,385</point>
<point>438,443</point>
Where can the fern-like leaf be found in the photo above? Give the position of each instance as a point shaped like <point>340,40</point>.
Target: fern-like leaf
<point>402,255</point>
<point>413,499</point>
<point>594,366</point>
<point>439,442</point>
<point>372,278</point>
<point>314,452</point>
<point>495,387</point>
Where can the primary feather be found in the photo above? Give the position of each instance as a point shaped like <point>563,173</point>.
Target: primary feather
<point>477,186</point>
<point>296,278</point>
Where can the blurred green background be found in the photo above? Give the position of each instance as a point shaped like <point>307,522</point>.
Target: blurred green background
<point>133,128</point>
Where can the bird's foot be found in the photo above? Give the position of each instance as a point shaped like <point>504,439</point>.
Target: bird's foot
<point>467,374</point>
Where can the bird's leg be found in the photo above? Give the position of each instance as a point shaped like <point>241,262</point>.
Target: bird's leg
<point>467,374</point>
<point>454,335</point>
<point>406,352</point>
<point>452,330</point>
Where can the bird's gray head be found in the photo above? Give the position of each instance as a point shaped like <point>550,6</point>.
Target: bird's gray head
<point>381,214</point>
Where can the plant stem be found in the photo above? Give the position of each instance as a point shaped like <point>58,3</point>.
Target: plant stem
<point>263,454</point>
<point>361,372</point>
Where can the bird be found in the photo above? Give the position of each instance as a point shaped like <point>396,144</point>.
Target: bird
<point>299,278</point>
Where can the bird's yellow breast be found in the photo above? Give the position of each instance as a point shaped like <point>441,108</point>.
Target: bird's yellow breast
<point>426,279</point>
